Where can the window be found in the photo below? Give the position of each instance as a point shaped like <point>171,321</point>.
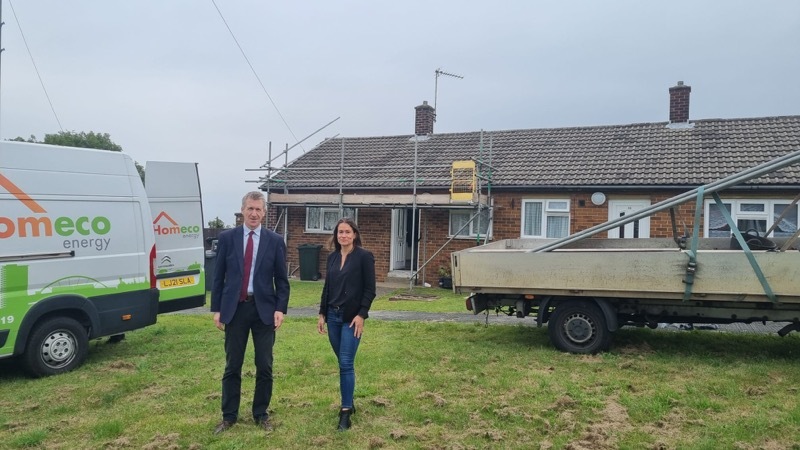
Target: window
<point>545,218</point>
<point>478,227</point>
<point>320,220</point>
<point>750,214</point>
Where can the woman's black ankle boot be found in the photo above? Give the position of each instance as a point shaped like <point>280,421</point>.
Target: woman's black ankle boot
<point>344,419</point>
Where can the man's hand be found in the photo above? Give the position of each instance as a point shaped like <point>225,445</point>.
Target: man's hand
<point>217,323</point>
<point>278,319</point>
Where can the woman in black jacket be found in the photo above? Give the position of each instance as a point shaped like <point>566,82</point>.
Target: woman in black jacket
<point>346,298</point>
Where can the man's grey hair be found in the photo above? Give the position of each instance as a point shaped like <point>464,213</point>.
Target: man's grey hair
<point>255,195</point>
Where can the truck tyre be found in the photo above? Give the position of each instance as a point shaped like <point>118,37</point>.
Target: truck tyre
<point>56,346</point>
<point>578,327</point>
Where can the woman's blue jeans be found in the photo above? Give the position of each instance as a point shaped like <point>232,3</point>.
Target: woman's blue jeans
<point>345,345</point>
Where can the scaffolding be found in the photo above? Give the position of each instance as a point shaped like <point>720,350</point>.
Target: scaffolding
<point>469,186</point>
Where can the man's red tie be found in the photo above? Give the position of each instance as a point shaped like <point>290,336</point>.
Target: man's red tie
<point>248,261</point>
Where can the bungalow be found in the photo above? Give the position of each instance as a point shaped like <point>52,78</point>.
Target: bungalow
<point>416,198</point>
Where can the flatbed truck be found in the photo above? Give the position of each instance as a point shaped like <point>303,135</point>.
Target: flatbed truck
<point>585,288</point>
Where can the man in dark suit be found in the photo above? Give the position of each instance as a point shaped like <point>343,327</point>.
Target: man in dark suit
<point>250,293</point>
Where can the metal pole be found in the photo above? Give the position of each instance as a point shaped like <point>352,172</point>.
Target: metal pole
<point>480,187</point>
<point>732,180</point>
<point>341,185</point>
<point>413,213</point>
<point>1,64</point>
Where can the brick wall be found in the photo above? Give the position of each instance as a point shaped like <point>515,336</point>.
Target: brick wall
<point>375,226</point>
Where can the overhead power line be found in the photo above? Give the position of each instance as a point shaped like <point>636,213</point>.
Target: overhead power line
<point>254,71</point>
<point>36,69</point>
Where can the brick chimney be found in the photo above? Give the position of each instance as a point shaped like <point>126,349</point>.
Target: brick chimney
<point>679,103</point>
<point>423,123</point>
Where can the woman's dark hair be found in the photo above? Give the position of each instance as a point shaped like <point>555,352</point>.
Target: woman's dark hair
<point>334,243</point>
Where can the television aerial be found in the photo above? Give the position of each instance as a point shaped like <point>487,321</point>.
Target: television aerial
<point>439,72</point>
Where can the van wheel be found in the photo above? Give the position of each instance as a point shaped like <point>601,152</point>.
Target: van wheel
<point>579,327</point>
<point>56,346</point>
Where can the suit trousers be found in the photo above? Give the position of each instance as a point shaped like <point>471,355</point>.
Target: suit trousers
<point>245,321</point>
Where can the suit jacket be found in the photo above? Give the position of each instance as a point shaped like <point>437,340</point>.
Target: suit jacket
<point>359,284</point>
<point>270,278</point>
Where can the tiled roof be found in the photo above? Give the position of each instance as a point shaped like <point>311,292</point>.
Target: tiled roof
<point>651,154</point>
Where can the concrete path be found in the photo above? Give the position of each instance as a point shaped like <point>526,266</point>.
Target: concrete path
<point>502,319</point>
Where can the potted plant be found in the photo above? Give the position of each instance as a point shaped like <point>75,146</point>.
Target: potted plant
<point>445,277</point>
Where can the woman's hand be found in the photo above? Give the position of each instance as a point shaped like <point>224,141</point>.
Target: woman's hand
<point>358,324</point>
<point>321,324</point>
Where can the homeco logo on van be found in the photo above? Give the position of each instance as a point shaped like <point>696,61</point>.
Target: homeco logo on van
<point>172,227</point>
<point>44,226</point>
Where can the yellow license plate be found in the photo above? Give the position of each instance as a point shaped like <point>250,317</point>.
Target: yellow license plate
<point>168,283</point>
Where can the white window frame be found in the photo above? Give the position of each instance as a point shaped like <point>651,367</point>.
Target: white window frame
<point>472,229</point>
<point>320,227</point>
<point>549,209</point>
<point>768,214</point>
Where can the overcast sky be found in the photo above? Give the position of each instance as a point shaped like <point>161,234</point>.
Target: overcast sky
<point>167,81</point>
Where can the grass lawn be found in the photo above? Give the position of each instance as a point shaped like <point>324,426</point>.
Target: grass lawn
<point>420,385</point>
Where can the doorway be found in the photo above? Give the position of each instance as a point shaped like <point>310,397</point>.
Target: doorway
<point>636,229</point>
<point>403,246</point>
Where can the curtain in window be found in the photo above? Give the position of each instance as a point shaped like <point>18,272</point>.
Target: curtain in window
<point>312,218</point>
<point>482,222</point>
<point>557,226</point>
<point>787,225</point>
<point>532,218</point>
<point>717,225</point>
<point>457,220</point>
<point>331,217</point>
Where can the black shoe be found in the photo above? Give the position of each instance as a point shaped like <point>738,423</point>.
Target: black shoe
<point>265,424</point>
<point>222,426</point>
<point>344,419</point>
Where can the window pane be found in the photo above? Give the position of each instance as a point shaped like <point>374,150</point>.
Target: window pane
<point>349,213</point>
<point>557,226</point>
<point>759,225</point>
<point>751,207</point>
<point>457,220</point>
<point>532,219</point>
<point>330,218</point>
<point>312,218</point>
<point>557,205</point>
<point>788,225</point>
<point>481,224</point>
<point>717,225</point>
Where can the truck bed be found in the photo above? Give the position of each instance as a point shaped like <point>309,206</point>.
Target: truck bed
<point>625,268</point>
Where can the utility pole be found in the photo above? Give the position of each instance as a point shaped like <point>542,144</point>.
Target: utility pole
<point>1,65</point>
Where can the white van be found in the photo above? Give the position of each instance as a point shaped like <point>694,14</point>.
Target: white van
<point>86,251</point>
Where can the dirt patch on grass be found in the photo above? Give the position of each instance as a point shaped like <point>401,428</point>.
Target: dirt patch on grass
<point>437,399</point>
<point>602,434</point>
<point>163,441</point>
<point>121,366</point>
<point>671,425</point>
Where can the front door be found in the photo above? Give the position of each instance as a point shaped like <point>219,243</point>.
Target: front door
<point>636,229</point>
<point>399,245</point>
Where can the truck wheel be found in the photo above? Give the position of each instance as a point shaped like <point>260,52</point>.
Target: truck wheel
<point>56,346</point>
<point>579,327</point>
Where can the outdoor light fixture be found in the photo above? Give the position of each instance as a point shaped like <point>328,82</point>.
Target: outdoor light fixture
<point>598,198</point>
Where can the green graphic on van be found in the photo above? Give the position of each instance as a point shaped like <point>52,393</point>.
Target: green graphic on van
<point>14,280</point>
<point>172,226</point>
<point>43,226</point>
